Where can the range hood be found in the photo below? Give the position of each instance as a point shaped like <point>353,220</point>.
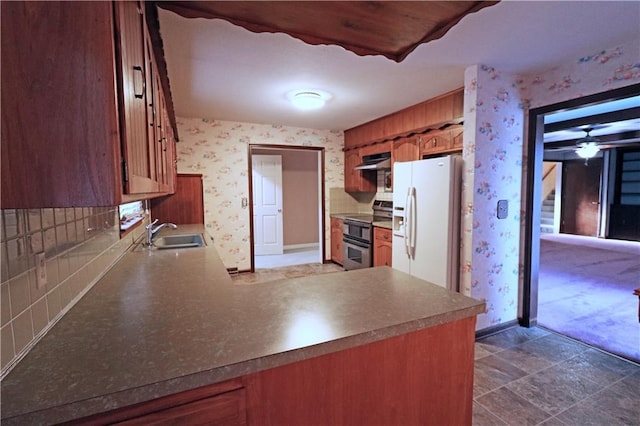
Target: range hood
<point>375,162</point>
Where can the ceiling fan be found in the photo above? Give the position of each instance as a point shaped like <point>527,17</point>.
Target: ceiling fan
<point>588,146</point>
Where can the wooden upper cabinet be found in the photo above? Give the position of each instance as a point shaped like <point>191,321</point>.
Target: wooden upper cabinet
<point>75,91</point>
<point>137,92</point>
<point>405,149</point>
<point>379,148</point>
<point>435,142</point>
<point>60,130</point>
<point>431,114</point>
<point>441,142</point>
<point>457,138</point>
<point>357,180</point>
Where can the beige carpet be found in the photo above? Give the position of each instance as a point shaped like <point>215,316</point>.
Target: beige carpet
<point>585,291</point>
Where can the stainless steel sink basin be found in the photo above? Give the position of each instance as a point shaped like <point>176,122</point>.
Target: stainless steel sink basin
<point>179,241</point>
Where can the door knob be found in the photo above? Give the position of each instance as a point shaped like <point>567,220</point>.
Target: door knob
<point>279,210</point>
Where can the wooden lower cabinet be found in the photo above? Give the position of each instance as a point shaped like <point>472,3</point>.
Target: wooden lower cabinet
<point>423,377</point>
<point>419,378</point>
<point>337,249</point>
<point>218,404</point>
<point>382,246</point>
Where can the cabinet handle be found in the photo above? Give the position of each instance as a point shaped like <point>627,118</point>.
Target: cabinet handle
<point>144,84</point>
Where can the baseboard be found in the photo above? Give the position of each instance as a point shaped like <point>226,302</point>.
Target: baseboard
<point>496,329</point>
<point>301,246</point>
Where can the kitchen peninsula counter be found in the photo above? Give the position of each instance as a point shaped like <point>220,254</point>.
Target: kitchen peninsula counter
<point>166,321</point>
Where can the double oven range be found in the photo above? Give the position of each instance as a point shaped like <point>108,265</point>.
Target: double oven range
<point>357,236</point>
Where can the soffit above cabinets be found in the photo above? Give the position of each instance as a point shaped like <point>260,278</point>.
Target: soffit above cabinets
<point>389,28</point>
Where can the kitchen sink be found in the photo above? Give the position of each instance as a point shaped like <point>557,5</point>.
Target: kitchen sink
<point>179,241</point>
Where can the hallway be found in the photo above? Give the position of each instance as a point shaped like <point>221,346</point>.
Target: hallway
<point>585,291</point>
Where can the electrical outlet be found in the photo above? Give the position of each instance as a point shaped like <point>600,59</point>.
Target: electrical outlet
<point>503,209</point>
<point>41,270</point>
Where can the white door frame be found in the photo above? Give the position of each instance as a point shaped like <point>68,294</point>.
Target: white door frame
<point>321,205</point>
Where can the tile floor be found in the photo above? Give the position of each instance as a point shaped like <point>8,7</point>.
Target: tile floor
<point>531,376</point>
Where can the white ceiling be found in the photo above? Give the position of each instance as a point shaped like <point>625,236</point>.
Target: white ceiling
<point>221,71</point>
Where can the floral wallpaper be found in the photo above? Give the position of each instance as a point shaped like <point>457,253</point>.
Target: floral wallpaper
<point>496,107</point>
<point>596,71</point>
<point>219,151</point>
<point>493,147</point>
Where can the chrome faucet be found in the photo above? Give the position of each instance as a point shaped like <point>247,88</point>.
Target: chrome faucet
<point>151,231</point>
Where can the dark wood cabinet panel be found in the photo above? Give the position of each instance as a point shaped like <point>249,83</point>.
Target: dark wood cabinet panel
<point>337,249</point>
<point>59,120</point>
<point>185,206</point>
<point>75,87</point>
<point>419,378</point>
<point>136,79</point>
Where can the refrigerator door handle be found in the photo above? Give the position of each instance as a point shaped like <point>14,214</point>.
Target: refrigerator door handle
<point>407,222</point>
<point>414,218</point>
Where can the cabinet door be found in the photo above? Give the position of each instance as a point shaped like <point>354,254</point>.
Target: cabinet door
<point>382,250</point>
<point>218,404</point>
<point>60,144</point>
<point>405,149</point>
<point>435,143</point>
<point>337,254</point>
<point>357,180</point>
<point>136,82</point>
<point>227,409</point>
<point>456,139</point>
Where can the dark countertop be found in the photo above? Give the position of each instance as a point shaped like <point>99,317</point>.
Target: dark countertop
<point>165,321</point>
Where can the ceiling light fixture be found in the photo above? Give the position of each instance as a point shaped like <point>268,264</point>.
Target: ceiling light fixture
<point>308,99</point>
<point>587,147</point>
<point>587,150</point>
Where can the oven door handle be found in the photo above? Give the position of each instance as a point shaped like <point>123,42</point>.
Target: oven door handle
<point>355,242</point>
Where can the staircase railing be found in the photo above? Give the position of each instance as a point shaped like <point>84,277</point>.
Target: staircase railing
<point>548,178</point>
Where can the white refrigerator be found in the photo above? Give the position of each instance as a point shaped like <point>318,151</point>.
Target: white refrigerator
<point>426,219</point>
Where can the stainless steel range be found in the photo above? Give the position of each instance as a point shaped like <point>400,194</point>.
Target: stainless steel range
<point>357,235</point>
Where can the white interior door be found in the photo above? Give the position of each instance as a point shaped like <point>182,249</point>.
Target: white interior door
<point>267,204</point>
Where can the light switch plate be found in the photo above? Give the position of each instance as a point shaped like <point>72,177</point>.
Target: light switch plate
<point>503,209</point>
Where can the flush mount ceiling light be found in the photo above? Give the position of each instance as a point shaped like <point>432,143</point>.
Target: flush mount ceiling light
<point>587,147</point>
<point>308,99</point>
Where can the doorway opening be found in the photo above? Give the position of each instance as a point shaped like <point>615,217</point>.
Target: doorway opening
<point>583,230</point>
<point>287,205</point>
